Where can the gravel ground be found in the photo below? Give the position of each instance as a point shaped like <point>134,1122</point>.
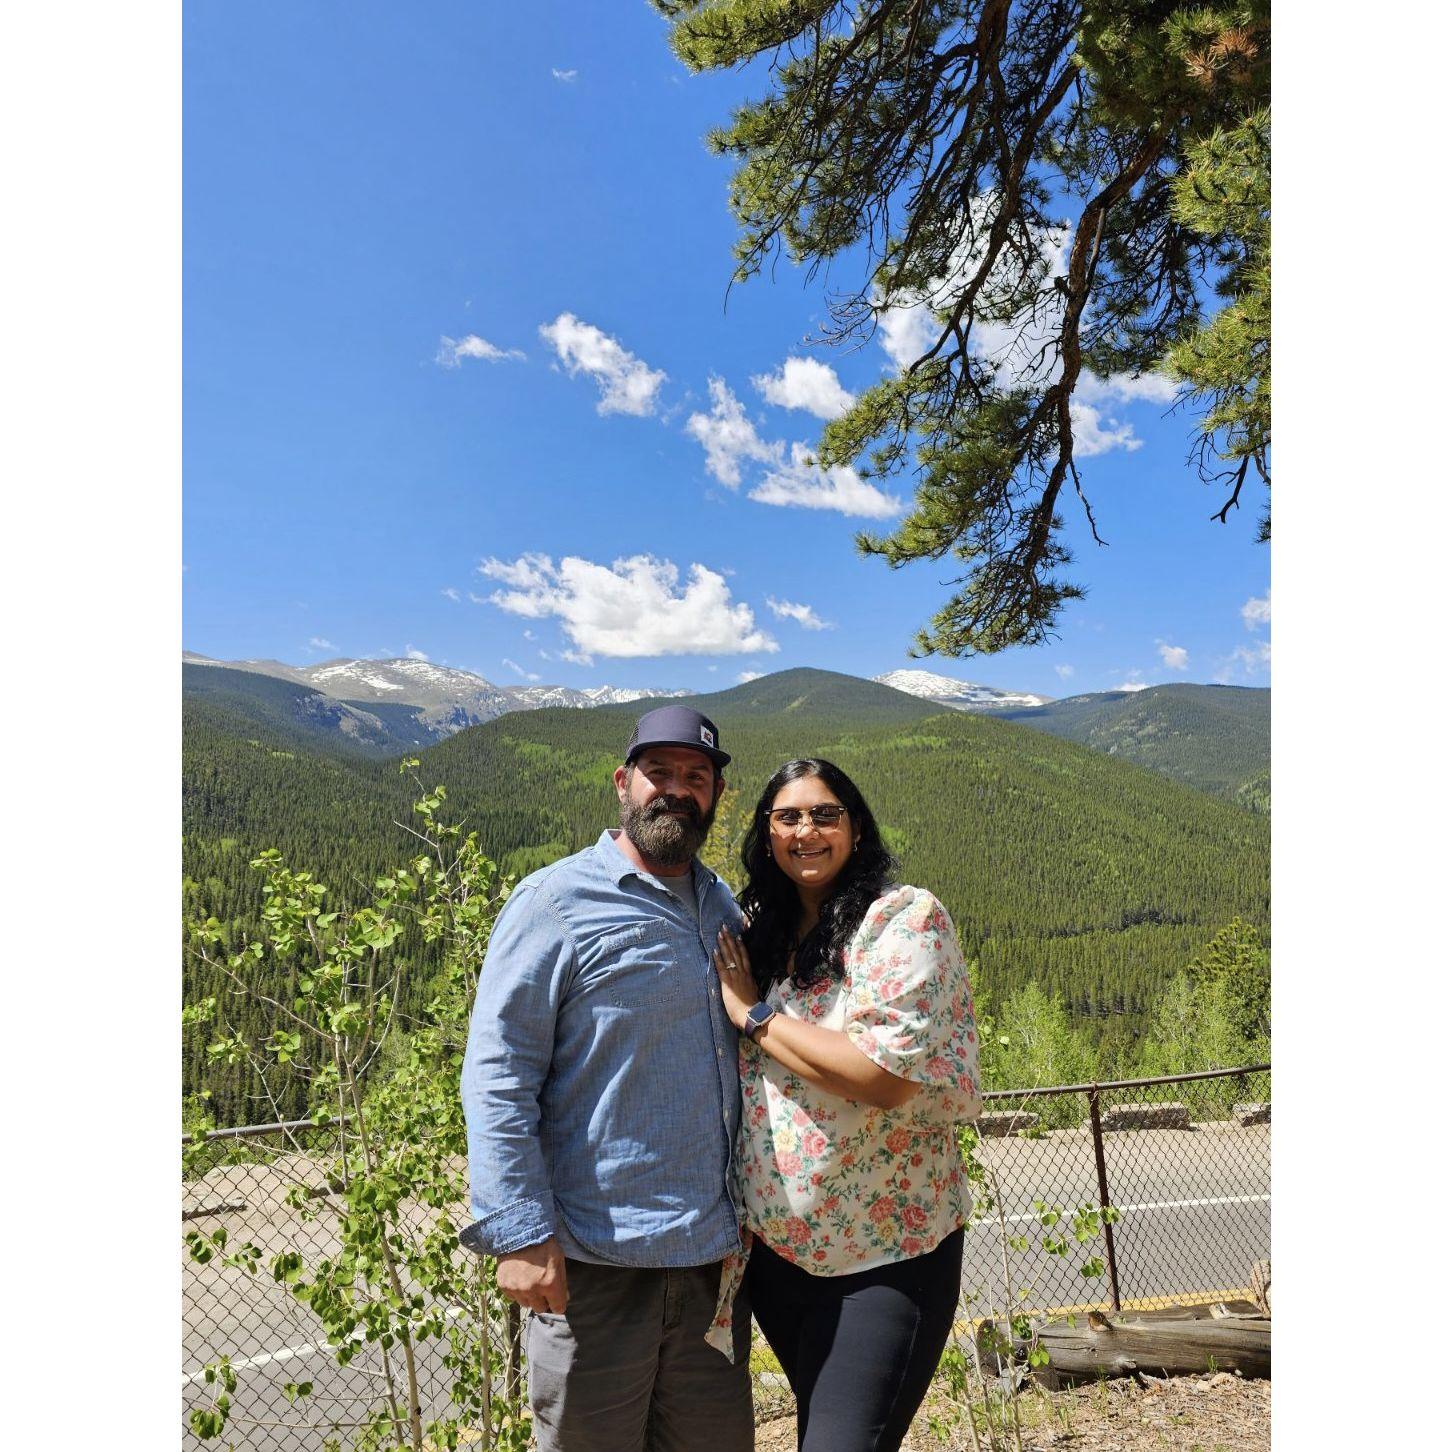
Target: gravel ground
<point>1212,1413</point>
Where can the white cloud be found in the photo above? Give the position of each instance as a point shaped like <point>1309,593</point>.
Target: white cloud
<point>577,657</point>
<point>519,670</point>
<point>633,607</point>
<point>1134,681</point>
<point>1063,671</point>
<point>627,385</point>
<point>1244,662</point>
<point>803,484</point>
<point>1256,611</point>
<point>805,383</point>
<point>318,643</point>
<point>452,594</point>
<point>748,676</point>
<point>1020,349</point>
<point>1174,656</point>
<point>906,331</point>
<point>1253,658</point>
<point>908,324</point>
<point>1095,434</point>
<point>565,76</point>
<point>453,351</point>
<point>804,615</point>
<point>523,573</point>
<point>1126,388</point>
<point>728,436</point>
<point>413,653</point>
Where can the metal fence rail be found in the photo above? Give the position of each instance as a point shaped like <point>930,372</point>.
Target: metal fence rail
<point>1184,1160</point>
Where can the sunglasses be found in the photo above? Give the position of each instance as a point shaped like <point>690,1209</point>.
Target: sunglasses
<point>828,814</point>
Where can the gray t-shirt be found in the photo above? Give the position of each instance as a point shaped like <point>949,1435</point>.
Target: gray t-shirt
<point>683,889</point>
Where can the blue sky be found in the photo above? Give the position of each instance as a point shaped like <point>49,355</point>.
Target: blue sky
<point>461,379</point>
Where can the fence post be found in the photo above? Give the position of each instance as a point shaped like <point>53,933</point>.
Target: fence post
<point>1098,1132</point>
<point>486,1374</point>
<point>512,1378</point>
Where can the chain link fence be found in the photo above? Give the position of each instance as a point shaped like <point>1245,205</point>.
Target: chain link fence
<point>249,1195</point>
<point>1183,1161</point>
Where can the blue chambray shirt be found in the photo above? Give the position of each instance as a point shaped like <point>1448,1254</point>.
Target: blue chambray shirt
<point>600,1082</point>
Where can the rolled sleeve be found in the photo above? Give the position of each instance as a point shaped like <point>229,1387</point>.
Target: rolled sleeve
<point>506,1064</point>
<point>512,1227</point>
<point>910,1008</point>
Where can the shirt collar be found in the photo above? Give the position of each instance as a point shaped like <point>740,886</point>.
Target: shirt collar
<point>619,866</point>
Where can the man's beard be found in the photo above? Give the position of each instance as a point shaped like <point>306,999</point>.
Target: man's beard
<point>661,837</point>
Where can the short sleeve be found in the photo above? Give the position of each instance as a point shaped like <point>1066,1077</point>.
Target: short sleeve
<point>909,1006</point>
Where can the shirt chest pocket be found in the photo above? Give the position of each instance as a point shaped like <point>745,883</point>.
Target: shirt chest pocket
<point>645,968</point>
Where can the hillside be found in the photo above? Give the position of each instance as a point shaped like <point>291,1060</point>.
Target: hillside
<point>1060,864</point>
<point>1217,738</point>
<point>241,701</point>
<point>414,701</point>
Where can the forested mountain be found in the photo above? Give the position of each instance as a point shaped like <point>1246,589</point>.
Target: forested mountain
<point>1216,738</point>
<point>415,700</point>
<point>247,699</point>
<point>1060,865</point>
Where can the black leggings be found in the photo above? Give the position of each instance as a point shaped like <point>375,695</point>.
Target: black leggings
<point>859,1350</point>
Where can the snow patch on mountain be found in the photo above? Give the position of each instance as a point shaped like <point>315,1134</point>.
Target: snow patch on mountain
<point>449,699</point>
<point>960,695</point>
<point>354,671</point>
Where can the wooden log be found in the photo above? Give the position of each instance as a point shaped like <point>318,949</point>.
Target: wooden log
<point>1201,1311</point>
<point>1248,1114</point>
<point>1097,1345</point>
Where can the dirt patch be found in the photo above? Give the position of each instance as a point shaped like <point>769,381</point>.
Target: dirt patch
<point>1212,1413</point>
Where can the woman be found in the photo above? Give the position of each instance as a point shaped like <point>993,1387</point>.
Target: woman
<point>858,1057</point>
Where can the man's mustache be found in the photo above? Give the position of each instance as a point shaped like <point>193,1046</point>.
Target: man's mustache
<point>662,805</point>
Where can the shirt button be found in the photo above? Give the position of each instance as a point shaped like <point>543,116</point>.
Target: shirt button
<point>720,1053</point>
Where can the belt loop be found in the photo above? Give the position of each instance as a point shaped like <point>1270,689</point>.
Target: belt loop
<point>674,1297</point>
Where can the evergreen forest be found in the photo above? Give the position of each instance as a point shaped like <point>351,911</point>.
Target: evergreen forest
<point>1122,913</point>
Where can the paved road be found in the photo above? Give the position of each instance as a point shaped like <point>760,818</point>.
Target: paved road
<point>1195,1212</point>
<point>1194,1206</point>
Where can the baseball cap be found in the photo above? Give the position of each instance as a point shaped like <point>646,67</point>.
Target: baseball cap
<point>676,726</point>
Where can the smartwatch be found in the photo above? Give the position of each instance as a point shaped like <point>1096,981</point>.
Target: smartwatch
<point>757,1018</point>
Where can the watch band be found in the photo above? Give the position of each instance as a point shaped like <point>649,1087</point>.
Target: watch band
<point>757,1017</point>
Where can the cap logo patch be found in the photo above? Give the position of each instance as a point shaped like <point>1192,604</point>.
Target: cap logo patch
<point>708,736</point>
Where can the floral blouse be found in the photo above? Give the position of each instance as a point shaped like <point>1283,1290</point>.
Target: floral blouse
<point>835,1185</point>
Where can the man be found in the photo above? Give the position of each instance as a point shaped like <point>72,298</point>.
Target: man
<point>602,1101</point>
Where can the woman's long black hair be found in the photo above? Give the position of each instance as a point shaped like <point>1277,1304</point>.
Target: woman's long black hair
<point>770,899</point>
